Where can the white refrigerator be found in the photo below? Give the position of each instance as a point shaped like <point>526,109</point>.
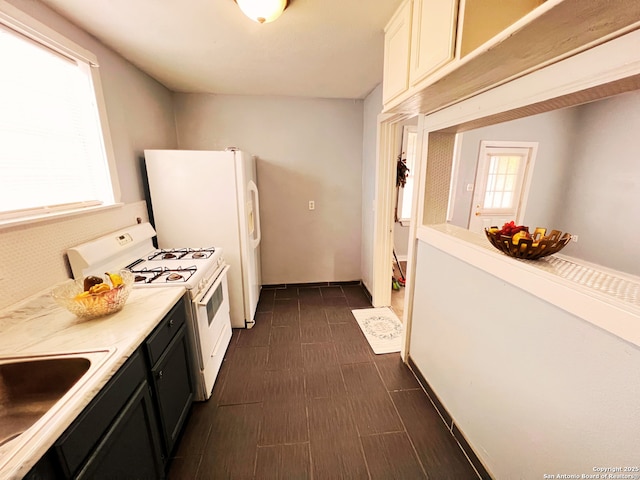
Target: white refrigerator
<point>210,199</point>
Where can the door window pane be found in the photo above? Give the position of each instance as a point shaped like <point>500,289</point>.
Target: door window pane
<point>501,181</point>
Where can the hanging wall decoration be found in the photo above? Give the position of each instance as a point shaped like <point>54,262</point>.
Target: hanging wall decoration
<point>402,171</point>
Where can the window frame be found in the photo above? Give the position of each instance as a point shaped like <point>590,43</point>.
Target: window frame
<point>402,196</point>
<point>17,20</point>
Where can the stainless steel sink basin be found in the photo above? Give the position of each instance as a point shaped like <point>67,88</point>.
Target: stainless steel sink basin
<point>31,386</point>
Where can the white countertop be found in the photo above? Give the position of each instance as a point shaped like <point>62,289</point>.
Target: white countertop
<point>38,326</point>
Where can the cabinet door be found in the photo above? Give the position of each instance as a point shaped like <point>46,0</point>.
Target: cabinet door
<point>433,36</point>
<point>397,36</point>
<point>87,431</point>
<point>173,387</point>
<point>131,448</point>
<point>46,469</point>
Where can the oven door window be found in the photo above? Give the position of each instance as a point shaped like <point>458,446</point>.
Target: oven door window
<point>213,305</point>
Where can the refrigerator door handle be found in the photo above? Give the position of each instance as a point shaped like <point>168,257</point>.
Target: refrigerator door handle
<point>255,239</point>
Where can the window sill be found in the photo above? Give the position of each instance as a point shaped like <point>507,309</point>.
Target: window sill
<point>51,216</point>
<point>616,312</point>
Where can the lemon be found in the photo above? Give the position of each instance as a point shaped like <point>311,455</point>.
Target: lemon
<point>115,278</point>
<point>516,238</point>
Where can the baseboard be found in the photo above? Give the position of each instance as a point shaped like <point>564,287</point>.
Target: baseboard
<point>450,423</point>
<point>321,284</point>
<point>367,293</point>
<point>313,284</point>
<point>401,258</point>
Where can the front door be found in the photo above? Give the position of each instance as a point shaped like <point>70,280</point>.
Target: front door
<point>502,183</point>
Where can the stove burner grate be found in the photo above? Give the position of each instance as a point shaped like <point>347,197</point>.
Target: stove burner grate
<point>163,274</point>
<point>182,253</point>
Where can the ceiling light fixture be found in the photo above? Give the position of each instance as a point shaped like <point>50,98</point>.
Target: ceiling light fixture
<point>262,11</point>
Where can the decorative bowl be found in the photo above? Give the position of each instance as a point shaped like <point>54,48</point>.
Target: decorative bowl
<point>538,246</point>
<point>97,304</point>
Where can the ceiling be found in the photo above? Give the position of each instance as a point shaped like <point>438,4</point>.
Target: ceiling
<point>317,48</point>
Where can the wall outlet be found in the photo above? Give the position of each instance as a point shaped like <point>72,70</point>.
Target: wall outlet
<point>574,238</point>
<point>312,205</point>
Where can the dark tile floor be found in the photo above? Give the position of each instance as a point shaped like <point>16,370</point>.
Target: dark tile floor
<point>302,396</point>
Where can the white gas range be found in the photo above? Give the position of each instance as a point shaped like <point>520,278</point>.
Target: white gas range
<point>201,271</point>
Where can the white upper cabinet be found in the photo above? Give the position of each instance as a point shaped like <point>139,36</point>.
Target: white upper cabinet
<point>439,52</point>
<point>397,38</point>
<point>433,36</point>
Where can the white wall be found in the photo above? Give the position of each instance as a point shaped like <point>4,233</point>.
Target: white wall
<point>601,198</point>
<point>372,107</point>
<point>140,116</point>
<point>555,132</point>
<point>308,149</point>
<point>401,240</point>
<point>534,389</point>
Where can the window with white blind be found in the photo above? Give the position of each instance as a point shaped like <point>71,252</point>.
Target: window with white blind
<point>52,150</point>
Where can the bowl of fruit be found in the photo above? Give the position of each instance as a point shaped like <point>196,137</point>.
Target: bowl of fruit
<point>516,241</point>
<point>95,296</point>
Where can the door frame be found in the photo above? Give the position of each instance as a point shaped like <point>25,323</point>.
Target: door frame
<point>389,133</point>
<point>390,128</point>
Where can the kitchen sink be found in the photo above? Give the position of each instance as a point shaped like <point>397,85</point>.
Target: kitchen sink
<point>30,387</point>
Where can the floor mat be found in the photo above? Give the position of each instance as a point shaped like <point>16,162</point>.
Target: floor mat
<point>382,328</point>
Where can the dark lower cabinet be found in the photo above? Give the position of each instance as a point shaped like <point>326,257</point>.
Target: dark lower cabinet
<point>131,448</point>
<point>117,435</point>
<point>173,389</point>
<point>130,428</point>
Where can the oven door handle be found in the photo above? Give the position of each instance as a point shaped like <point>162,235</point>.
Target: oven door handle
<point>214,286</point>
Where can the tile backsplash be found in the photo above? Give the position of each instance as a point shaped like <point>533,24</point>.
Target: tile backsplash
<point>33,258</point>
